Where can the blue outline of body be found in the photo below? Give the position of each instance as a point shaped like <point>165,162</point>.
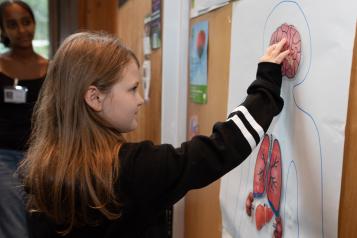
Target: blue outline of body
<point>299,107</point>
<point>297,193</point>
<point>304,112</point>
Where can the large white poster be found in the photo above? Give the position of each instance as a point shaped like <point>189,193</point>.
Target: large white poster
<point>291,187</point>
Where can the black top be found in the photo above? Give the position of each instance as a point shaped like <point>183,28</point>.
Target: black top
<point>153,177</point>
<point>15,118</point>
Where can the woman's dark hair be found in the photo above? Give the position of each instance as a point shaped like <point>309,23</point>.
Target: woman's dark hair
<point>3,39</point>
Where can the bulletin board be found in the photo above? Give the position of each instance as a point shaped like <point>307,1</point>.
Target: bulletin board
<point>202,212</point>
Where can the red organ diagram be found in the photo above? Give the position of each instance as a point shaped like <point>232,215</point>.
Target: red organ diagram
<point>292,61</point>
<point>267,179</point>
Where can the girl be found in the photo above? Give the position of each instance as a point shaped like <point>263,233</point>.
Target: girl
<point>84,180</point>
<point>22,72</point>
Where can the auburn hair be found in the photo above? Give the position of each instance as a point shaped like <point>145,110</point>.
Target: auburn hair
<point>72,162</point>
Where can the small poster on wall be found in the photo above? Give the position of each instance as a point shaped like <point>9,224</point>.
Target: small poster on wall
<point>146,78</point>
<point>194,128</point>
<point>198,62</point>
<point>156,24</point>
<point>147,32</point>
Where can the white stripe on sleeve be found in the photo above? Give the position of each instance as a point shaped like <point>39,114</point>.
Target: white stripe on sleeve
<point>244,131</point>
<point>251,120</point>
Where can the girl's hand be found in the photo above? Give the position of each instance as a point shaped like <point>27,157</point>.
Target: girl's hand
<point>273,54</point>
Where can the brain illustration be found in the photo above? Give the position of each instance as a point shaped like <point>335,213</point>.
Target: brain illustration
<point>292,61</point>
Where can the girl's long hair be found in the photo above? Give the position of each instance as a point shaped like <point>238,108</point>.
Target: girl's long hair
<point>72,162</point>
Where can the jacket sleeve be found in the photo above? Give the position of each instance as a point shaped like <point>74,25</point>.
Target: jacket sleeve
<point>161,174</point>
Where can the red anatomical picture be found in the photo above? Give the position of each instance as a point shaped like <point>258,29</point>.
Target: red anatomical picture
<point>261,167</point>
<point>274,178</point>
<point>267,180</point>
<point>292,61</point>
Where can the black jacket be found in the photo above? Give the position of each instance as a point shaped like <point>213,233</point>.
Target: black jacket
<point>154,177</point>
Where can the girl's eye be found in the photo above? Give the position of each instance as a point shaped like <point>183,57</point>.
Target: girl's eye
<point>134,88</point>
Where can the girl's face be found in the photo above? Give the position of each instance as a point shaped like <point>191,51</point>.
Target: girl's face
<point>19,26</point>
<point>121,105</point>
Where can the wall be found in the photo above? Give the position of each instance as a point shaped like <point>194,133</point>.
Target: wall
<point>130,29</point>
<point>98,15</point>
<point>202,211</point>
<point>70,16</point>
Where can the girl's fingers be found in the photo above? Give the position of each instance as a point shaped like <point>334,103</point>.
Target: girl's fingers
<point>273,53</point>
<point>281,56</point>
<point>280,45</point>
<point>270,49</point>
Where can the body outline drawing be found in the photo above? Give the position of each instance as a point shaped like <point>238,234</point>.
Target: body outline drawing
<point>299,107</point>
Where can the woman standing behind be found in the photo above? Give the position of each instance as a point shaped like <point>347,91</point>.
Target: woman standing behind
<point>22,72</point>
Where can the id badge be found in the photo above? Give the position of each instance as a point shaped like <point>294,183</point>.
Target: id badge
<point>15,94</point>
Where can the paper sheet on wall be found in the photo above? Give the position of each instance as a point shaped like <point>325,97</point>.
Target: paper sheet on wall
<point>199,7</point>
<point>309,132</point>
<point>199,63</point>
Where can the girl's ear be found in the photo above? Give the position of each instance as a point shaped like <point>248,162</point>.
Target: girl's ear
<point>94,98</point>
